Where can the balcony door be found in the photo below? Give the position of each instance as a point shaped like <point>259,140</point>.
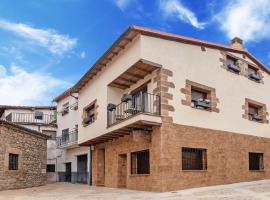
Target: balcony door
<point>139,99</point>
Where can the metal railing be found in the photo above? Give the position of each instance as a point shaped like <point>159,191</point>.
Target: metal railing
<point>30,118</point>
<point>139,103</point>
<point>67,139</point>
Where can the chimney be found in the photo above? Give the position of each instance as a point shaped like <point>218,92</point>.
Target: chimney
<point>237,43</point>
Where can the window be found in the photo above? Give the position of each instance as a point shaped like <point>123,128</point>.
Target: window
<point>65,135</point>
<point>253,113</point>
<point>13,161</point>
<point>256,161</point>
<point>50,168</point>
<point>89,114</point>
<point>230,61</point>
<point>65,109</point>
<point>140,162</point>
<point>199,99</point>
<point>253,74</point>
<point>38,115</point>
<point>194,159</point>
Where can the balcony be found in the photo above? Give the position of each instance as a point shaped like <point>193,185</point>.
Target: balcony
<point>68,140</point>
<point>31,118</point>
<point>132,105</point>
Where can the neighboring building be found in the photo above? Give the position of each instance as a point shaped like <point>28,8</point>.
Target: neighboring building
<point>164,112</point>
<point>72,160</point>
<point>38,118</point>
<point>22,157</point>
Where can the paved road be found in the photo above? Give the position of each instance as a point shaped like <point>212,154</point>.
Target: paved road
<point>258,190</point>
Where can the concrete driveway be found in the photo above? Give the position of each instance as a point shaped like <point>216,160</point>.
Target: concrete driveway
<point>259,190</point>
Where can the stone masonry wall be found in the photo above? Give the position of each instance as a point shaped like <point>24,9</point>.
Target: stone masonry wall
<point>32,151</point>
<point>227,158</point>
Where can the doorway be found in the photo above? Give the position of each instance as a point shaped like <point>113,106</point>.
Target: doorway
<point>68,172</point>
<point>122,170</point>
<point>82,168</point>
<point>101,167</point>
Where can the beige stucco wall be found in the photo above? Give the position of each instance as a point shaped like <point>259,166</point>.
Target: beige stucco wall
<point>190,62</point>
<point>69,120</point>
<point>186,62</point>
<point>97,89</point>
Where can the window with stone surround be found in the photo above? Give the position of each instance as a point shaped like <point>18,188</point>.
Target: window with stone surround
<point>50,168</point>
<point>200,96</point>
<point>232,64</point>
<point>255,111</point>
<point>90,113</point>
<point>194,159</point>
<point>256,161</point>
<point>140,163</point>
<point>253,74</point>
<point>13,161</point>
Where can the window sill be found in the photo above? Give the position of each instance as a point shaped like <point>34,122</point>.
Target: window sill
<point>257,170</point>
<point>254,80</point>
<point>194,171</point>
<point>261,122</point>
<point>202,109</point>
<point>137,175</point>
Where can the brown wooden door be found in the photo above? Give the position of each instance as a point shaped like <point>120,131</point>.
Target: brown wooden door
<point>122,170</point>
<point>101,167</point>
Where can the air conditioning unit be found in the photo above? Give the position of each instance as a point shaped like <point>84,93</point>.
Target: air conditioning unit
<point>234,68</point>
<point>255,76</point>
<point>203,103</point>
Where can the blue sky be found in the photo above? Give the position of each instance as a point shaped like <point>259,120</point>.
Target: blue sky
<point>47,45</point>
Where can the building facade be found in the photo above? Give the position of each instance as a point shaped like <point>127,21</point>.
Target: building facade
<point>38,118</point>
<point>72,160</point>
<point>23,155</point>
<point>163,112</point>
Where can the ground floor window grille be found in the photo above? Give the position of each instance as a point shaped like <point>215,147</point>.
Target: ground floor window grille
<point>140,162</point>
<point>13,161</point>
<point>256,161</point>
<point>194,159</point>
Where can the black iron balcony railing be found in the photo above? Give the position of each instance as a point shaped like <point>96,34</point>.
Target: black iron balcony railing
<point>30,118</point>
<point>132,105</point>
<point>67,139</point>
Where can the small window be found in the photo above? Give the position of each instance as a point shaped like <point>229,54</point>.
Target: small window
<point>89,114</point>
<point>65,109</point>
<point>231,61</point>
<point>140,162</point>
<point>253,74</point>
<point>13,161</point>
<point>199,99</point>
<point>65,135</point>
<point>38,115</point>
<point>194,159</point>
<point>256,161</point>
<point>254,113</point>
<point>50,168</point>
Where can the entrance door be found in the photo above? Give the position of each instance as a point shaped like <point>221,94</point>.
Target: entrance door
<point>68,172</point>
<point>101,167</point>
<point>82,169</point>
<point>122,170</point>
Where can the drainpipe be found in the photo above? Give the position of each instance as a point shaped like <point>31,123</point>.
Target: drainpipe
<point>90,165</point>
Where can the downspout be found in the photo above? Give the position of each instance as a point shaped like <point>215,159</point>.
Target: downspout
<point>90,166</point>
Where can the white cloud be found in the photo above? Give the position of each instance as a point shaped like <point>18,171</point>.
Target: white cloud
<point>247,19</point>
<point>174,8</point>
<point>122,4</point>
<point>82,55</point>
<point>56,43</point>
<point>19,86</point>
